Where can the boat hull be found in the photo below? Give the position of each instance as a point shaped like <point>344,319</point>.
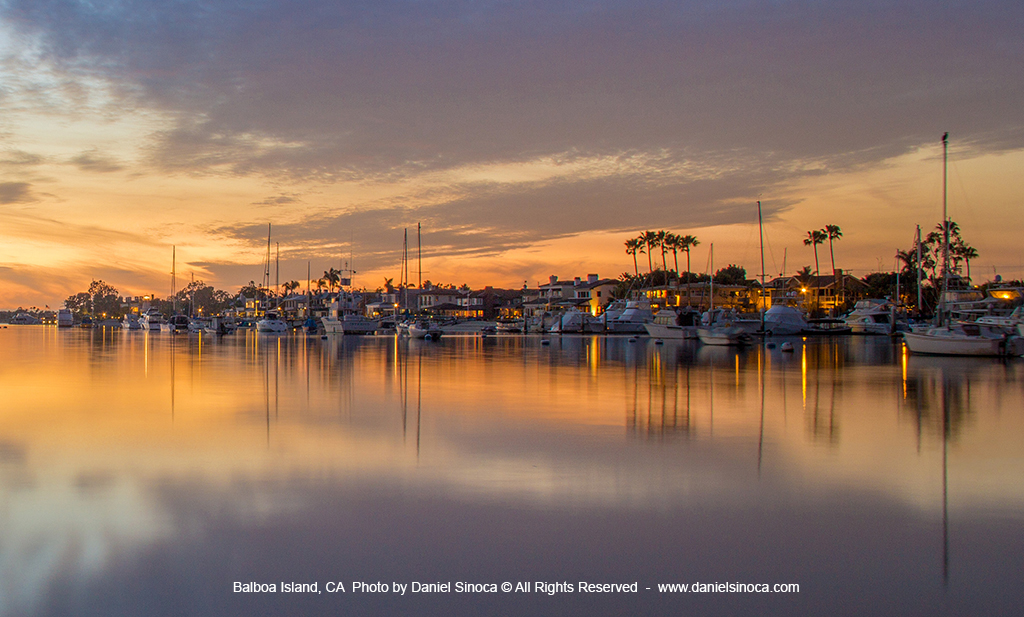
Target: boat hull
<point>954,345</point>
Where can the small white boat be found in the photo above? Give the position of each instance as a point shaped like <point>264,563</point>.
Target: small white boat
<point>425,330</point>
<point>130,322</point>
<point>271,324</point>
<point>668,324</point>
<point>965,340</point>
<point>349,324</point>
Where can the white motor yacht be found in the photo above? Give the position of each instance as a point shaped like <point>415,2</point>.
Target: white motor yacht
<point>152,320</point>
<point>65,318</point>
<point>870,316</point>
<point>631,320</point>
<point>669,324</point>
<point>271,324</point>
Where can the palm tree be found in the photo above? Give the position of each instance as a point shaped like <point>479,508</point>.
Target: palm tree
<point>686,243</point>
<point>967,253</point>
<point>660,238</point>
<point>290,286</point>
<point>672,243</point>
<point>834,233</point>
<point>814,238</point>
<point>632,246</point>
<point>650,239</point>
<point>389,284</point>
<point>333,278</point>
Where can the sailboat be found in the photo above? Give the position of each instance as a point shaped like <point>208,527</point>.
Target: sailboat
<point>948,339</point>
<point>719,329</point>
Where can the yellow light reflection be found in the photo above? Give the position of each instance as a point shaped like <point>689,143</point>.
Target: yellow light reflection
<point>803,373</point>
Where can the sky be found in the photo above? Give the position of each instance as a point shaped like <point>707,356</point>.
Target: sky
<point>526,138</point>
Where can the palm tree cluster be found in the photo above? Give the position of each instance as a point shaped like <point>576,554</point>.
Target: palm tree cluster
<point>818,236</point>
<point>650,241</point>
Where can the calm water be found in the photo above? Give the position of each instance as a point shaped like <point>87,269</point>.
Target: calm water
<point>147,474</point>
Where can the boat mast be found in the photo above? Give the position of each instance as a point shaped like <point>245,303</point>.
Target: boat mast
<point>419,258</point>
<point>945,233</point>
<point>174,283</point>
<point>760,227</point>
<point>711,275</point>
<point>919,272</point>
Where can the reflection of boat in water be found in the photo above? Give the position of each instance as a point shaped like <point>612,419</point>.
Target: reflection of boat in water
<point>826,326</point>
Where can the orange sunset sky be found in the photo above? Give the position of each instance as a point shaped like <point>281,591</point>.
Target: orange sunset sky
<point>528,138</point>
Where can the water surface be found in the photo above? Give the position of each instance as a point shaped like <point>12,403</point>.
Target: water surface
<point>147,473</point>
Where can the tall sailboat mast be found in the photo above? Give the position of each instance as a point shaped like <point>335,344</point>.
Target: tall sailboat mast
<point>760,227</point>
<point>945,233</point>
<point>174,283</point>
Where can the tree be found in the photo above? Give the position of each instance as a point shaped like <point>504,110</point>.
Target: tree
<point>834,233</point>
<point>105,300</point>
<point>967,253</point>
<point>813,239</point>
<point>660,239</point>
<point>290,286</point>
<point>632,246</point>
<point>389,285</point>
<point>79,303</point>
<point>650,239</point>
<point>332,278</point>
<point>686,243</point>
<point>731,275</point>
<point>672,242</point>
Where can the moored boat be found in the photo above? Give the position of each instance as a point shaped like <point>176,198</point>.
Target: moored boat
<point>271,324</point>
<point>964,340</point>
<point>65,318</point>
